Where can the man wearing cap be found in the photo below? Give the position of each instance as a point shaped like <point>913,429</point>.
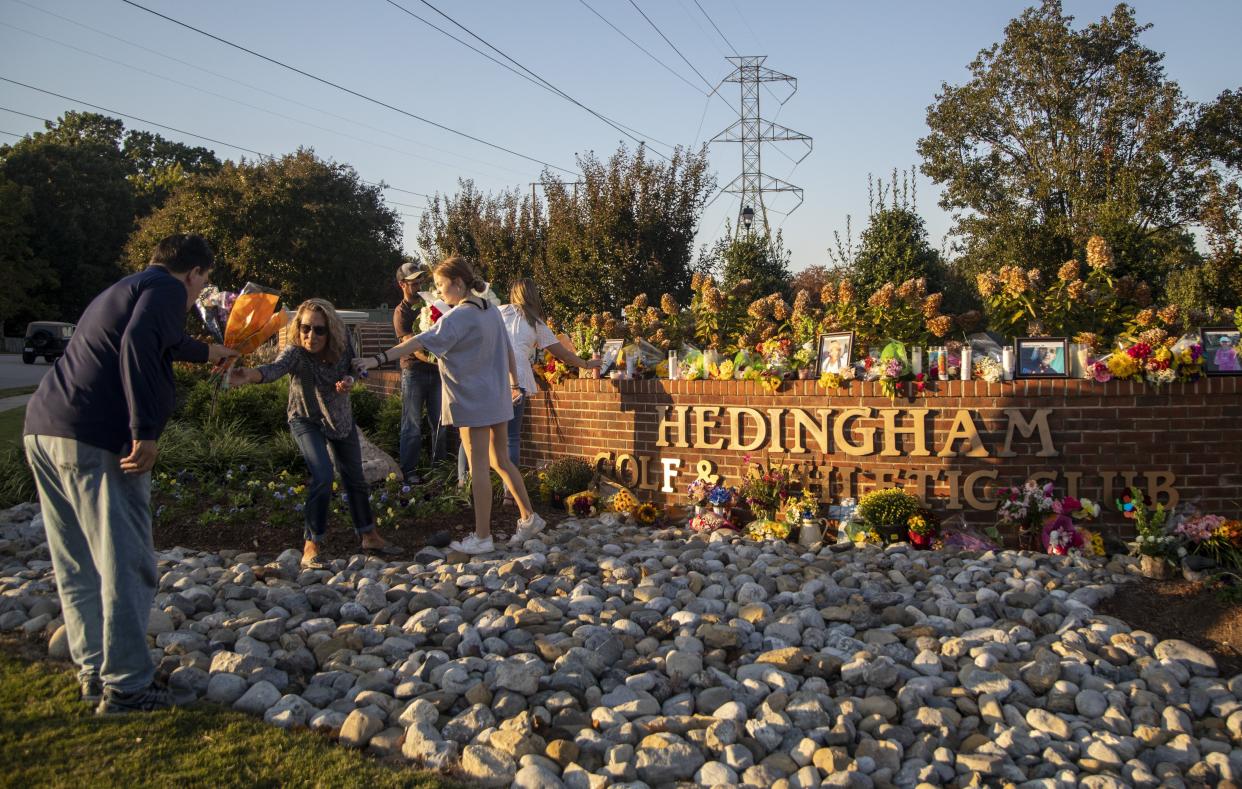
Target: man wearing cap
<point>420,376</point>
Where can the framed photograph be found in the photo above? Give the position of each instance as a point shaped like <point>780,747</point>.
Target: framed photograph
<point>1221,354</point>
<point>609,356</point>
<point>834,352</point>
<point>1041,357</point>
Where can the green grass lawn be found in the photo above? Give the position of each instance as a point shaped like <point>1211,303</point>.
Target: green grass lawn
<point>17,390</point>
<point>49,738</point>
<point>11,422</point>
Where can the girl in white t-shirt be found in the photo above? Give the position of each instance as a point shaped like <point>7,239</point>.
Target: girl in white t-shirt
<point>526,323</point>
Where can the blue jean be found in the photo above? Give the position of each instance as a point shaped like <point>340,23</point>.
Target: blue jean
<point>515,439</point>
<point>98,524</point>
<point>319,452</point>
<point>420,387</point>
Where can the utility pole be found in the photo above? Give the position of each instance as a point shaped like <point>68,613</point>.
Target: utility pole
<point>751,130</point>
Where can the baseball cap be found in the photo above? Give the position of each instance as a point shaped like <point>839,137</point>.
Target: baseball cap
<point>410,269</point>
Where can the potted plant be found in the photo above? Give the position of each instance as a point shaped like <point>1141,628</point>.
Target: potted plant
<point>886,512</point>
<point>1026,508</point>
<point>764,493</point>
<point>922,529</point>
<point>697,492</point>
<point>1155,547</point>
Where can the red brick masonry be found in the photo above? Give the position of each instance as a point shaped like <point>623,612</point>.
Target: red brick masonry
<point>1177,442</point>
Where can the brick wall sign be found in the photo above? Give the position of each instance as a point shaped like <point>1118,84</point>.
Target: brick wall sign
<point>951,447</point>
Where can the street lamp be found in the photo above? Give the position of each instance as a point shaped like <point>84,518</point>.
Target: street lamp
<point>748,216</point>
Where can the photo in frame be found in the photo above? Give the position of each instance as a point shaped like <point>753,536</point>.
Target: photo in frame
<point>834,353</point>
<point>609,355</point>
<point>1041,357</point>
<point>1221,354</point>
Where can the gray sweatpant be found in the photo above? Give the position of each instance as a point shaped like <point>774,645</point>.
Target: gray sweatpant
<point>98,523</point>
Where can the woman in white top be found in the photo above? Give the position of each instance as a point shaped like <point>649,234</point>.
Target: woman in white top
<point>476,362</point>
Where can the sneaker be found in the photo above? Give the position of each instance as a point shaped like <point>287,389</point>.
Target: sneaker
<point>149,699</point>
<point>473,545</point>
<point>91,687</point>
<point>527,528</point>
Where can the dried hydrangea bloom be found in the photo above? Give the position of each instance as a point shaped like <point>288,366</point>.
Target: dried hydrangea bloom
<point>780,310</point>
<point>828,293</point>
<point>742,287</point>
<point>802,303</point>
<point>883,298</point>
<point>940,325</point>
<point>1093,341</point>
<point>669,305</point>
<point>759,309</point>
<point>1014,280</point>
<point>696,281</point>
<point>906,289</point>
<point>1033,277</point>
<point>1099,256</point>
<point>640,301</point>
<point>1154,337</point>
<point>986,282</point>
<point>653,315</point>
<point>1145,317</point>
<point>661,339</point>
<point>846,292</point>
<point>1077,289</point>
<point>953,346</point>
<point>713,300</point>
<point>931,305</point>
<point>1068,271</point>
<point>1142,294</point>
<point>1170,314</point>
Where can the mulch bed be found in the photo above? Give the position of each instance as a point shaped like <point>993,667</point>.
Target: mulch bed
<point>269,541</point>
<point>1189,610</point>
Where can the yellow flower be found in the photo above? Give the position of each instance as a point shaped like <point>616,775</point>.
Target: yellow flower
<point>1122,365</point>
<point>392,476</point>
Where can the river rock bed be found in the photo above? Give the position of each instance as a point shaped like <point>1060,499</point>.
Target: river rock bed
<point>603,654</point>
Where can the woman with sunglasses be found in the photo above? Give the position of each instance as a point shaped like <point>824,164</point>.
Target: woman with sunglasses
<point>317,358</point>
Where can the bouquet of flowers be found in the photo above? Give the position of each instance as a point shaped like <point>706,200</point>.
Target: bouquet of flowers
<point>764,492</point>
<point>1153,540</point>
<point>720,496</point>
<point>1026,508</point>
<point>894,367</point>
<point>766,529</point>
<point>921,529</point>
<point>1189,362</point>
<point>988,369</point>
<point>647,514</point>
<point>583,505</point>
<point>241,321</point>
<point>1214,536</point>
<point>552,369</point>
<point>709,521</point>
<point>836,380</point>
<point>1059,536</point>
<point>697,492</point>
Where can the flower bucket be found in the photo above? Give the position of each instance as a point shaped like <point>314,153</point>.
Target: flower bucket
<point>921,541</point>
<point>811,533</point>
<point>890,534</point>
<point>1155,567</point>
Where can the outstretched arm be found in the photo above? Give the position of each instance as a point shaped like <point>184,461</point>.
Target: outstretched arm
<point>569,357</point>
<point>363,363</point>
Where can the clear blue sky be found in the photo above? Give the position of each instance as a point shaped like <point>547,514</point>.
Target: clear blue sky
<point>866,74</point>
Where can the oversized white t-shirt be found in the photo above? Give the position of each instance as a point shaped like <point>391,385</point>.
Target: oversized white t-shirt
<point>473,350</point>
<point>526,340</point>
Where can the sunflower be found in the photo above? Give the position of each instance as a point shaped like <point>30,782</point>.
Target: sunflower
<point>647,513</point>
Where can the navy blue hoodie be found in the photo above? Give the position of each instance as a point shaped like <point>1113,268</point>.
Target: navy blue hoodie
<point>115,382</point>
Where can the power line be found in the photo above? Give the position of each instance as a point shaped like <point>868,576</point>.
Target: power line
<point>11,134</point>
<point>644,50</point>
<point>265,91</point>
<point>350,91</point>
<point>670,43</point>
<point>636,136</point>
<point>224,97</point>
<point>135,118</point>
<point>170,128</point>
<point>728,43</point>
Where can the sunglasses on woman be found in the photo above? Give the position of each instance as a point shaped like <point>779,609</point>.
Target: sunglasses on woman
<point>307,328</point>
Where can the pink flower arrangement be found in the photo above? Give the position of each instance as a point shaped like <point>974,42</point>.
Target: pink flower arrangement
<point>1101,373</point>
<point>1059,535</point>
<point>709,522</point>
<point>1200,528</point>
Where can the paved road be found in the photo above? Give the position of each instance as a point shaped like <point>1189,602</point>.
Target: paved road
<point>13,372</point>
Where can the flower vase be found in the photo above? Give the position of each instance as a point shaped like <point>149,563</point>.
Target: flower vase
<point>698,509</point>
<point>811,533</point>
<point>1154,567</point>
<point>1027,537</point>
<point>718,510</point>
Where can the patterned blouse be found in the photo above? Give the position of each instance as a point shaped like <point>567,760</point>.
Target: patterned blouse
<point>301,367</point>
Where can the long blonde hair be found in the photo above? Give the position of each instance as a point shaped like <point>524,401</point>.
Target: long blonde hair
<point>525,294</point>
<point>335,347</point>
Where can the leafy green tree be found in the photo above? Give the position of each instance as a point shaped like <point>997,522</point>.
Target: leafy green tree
<point>81,206</point>
<point>1062,133</point>
<point>27,281</point>
<point>627,228</point>
<point>300,224</point>
<point>502,233</point>
<point>760,258</point>
<point>80,184</point>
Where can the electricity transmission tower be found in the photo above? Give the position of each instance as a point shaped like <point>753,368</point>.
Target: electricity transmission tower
<point>751,130</point>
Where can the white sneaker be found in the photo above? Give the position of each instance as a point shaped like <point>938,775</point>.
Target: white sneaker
<point>473,545</point>
<point>527,528</point>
